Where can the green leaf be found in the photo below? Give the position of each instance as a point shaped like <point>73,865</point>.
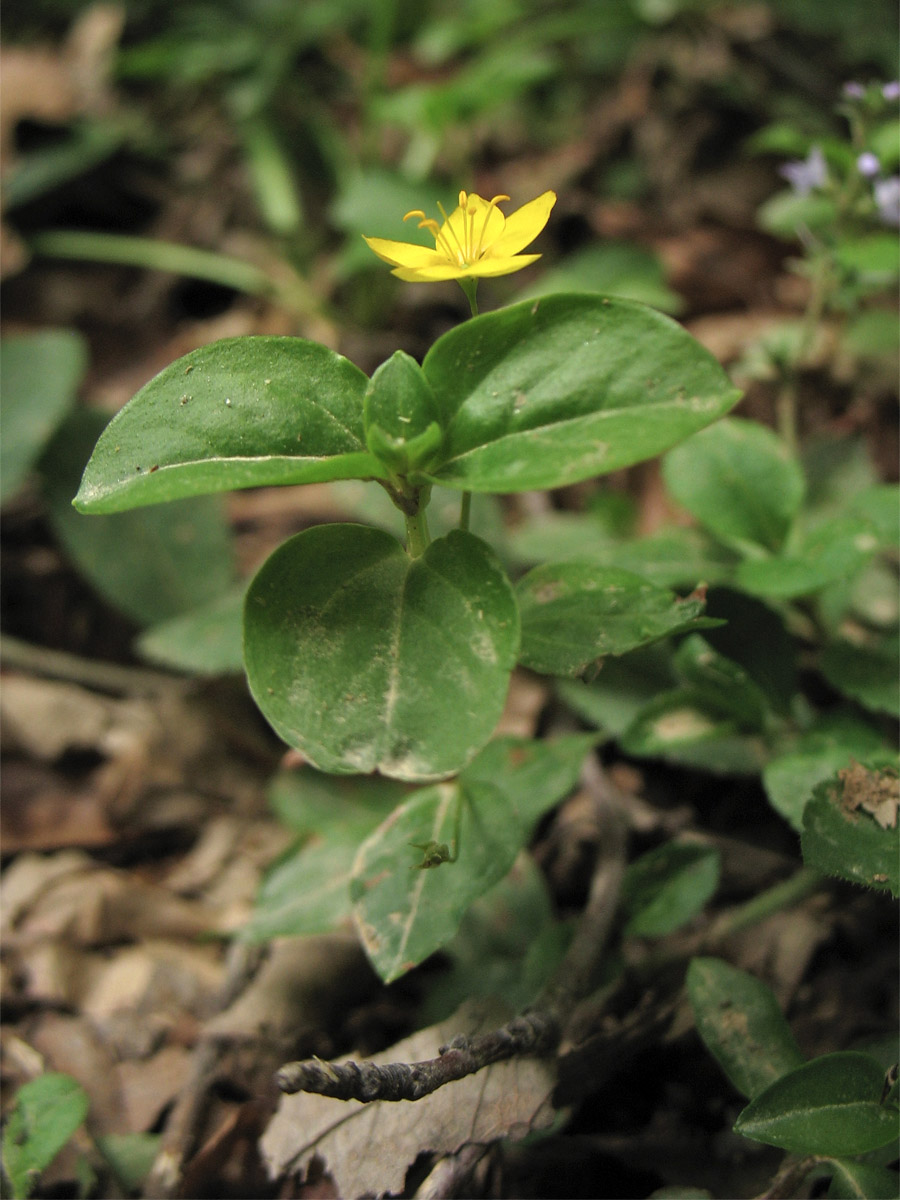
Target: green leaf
<point>739,480</point>
<point>48,1111</point>
<point>680,727</point>
<point>403,914</point>
<point>873,257</point>
<point>205,641</point>
<point>866,672</point>
<point>880,505</point>
<point>667,887</point>
<point>827,1106</point>
<point>307,890</point>
<point>41,373</point>
<point>533,775</point>
<point>850,828</point>
<point>623,687</point>
<point>242,412</point>
<point>364,658</point>
<point>574,614</point>
<point>548,393</point>
<point>853,1180</point>
<point>400,415</point>
<point>741,1025</point>
<point>834,550</point>
<point>152,564</point>
<point>507,945</point>
<point>130,1155</point>
<point>790,777</point>
<point>723,686</point>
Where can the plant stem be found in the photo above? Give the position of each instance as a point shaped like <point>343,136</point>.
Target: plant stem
<point>465,510</point>
<point>787,400</point>
<point>417,536</point>
<point>772,900</point>
<point>470,287</point>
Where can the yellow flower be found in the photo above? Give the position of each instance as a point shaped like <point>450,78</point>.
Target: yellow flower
<point>475,240</point>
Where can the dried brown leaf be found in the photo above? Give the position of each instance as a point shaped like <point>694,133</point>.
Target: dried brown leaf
<point>367,1148</point>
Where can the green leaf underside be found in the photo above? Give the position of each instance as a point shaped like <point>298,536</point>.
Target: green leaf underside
<point>40,373</point>
<point>366,659</point>
<point>48,1111</point>
<point>667,887</point>
<point>827,1106</point>
<point>152,564</point>
<point>853,1180</point>
<point>848,842</point>
<point>739,480</point>
<point>576,613</point>
<point>403,914</point>
<point>241,412</point>
<point>548,393</point>
<point>742,1026</point>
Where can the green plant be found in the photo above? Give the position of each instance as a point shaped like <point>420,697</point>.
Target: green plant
<point>837,1115</point>
<point>367,655</point>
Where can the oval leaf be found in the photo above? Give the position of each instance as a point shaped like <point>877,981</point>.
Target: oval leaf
<point>48,1111</point>
<point>41,373</point>
<point>366,659</point>
<point>404,914</point>
<point>739,480</point>
<point>550,392</point>
<point>850,827</point>
<point>827,1106</point>
<point>242,412</point>
<point>575,613</point>
<point>740,1022</point>
<point>667,887</point>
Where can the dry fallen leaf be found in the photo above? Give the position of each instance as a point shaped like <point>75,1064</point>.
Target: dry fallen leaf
<point>367,1148</point>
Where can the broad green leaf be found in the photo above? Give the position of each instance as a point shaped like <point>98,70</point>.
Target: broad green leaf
<point>205,641</point>
<point>574,614</point>
<point>307,890</point>
<point>854,1180</point>
<point>242,412</point>
<point>533,775</point>
<point>47,1112</point>
<point>550,392</point>
<point>724,687</point>
<point>41,373</point>
<point>874,257</point>
<point>833,550</point>
<point>667,887</point>
<point>151,565</point>
<point>364,658</point>
<point>742,1026</point>
<point>867,672</point>
<point>827,1106</point>
<point>507,945</point>
<point>739,480</point>
<point>850,828</point>
<point>790,777</point>
<point>403,914</point>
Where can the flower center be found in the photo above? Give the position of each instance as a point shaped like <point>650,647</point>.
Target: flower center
<point>464,245</point>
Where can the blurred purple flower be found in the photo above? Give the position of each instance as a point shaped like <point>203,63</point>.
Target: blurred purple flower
<point>868,165</point>
<point>887,197</point>
<point>891,91</point>
<point>854,91</point>
<point>807,174</point>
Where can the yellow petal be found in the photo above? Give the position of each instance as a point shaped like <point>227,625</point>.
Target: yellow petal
<point>404,254</point>
<point>468,231</point>
<point>483,268</point>
<point>523,226</point>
